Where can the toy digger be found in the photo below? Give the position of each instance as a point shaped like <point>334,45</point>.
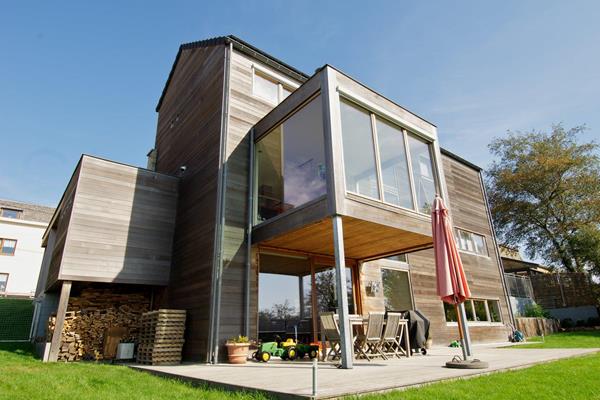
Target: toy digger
<point>288,350</point>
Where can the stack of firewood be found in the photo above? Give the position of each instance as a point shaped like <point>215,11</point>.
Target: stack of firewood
<point>161,337</point>
<point>88,317</point>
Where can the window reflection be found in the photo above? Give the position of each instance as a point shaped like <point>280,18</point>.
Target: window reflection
<point>291,163</point>
<point>359,157</point>
<point>394,167</point>
<point>422,170</point>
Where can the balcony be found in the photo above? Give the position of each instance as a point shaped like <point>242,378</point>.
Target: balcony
<point>337,148</point>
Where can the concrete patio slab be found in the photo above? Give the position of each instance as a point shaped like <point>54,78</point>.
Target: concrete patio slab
<point>294,379</point>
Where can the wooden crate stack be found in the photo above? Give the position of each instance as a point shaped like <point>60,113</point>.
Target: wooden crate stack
<point>161,337</point>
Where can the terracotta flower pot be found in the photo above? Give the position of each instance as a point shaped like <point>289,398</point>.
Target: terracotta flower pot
<point>237,352</point>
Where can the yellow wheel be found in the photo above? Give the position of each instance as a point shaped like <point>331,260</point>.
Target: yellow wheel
<point>265,357</point>
<point>292,354</point>
<point>313,354</point>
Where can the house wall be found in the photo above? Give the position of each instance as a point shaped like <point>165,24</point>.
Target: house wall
<point>468,210</point>
<point>188,134</point>
<point>121,225</point>
<point>245,110</point>
<point>24,266</point>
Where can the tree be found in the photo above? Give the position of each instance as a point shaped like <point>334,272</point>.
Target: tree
<point>544,191</point>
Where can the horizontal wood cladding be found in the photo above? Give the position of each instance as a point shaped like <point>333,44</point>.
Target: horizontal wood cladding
<point>121,226</point>
<point>61,227</point>
<point>244,111</point>
<point>468,211</point>
<point>189,134</point>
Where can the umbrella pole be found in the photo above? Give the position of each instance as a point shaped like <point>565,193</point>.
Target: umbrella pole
<point>464,331</point>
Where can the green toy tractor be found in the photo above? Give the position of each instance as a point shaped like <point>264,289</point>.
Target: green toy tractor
<point>288,350</point>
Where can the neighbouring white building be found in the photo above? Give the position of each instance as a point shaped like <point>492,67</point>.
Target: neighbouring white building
<point>22,226</point>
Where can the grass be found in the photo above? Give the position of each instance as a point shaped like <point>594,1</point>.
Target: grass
<point>574,378</point>
<point>565,340</point>
<point>23,377</point>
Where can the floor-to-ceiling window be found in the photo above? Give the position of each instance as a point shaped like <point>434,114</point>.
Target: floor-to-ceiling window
<point>290,163</point>
<point>384,161</point>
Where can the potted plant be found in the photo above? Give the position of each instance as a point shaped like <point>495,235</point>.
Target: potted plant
<point>237,349</point>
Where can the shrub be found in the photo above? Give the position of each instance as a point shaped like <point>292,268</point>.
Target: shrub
<point>593,321</point>
<point>580,323</point>
<point>536,311</point>
<point>567,323</point>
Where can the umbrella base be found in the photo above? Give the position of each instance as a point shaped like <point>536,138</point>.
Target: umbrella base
<point>467,364</point>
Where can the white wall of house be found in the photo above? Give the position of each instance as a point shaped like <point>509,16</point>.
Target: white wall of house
<point>23,267</point>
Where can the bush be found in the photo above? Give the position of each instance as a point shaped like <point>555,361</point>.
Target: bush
<point>580,323</point>
<point>593,321</point>
<point>536,311</point>
<point>567,323</point>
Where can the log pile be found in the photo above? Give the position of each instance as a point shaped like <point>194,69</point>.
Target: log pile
<point>161,337</point>
<point>88,317</point>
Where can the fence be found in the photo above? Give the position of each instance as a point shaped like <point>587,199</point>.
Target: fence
<point>573,289</point>
<point>15,319</point>
<point>537,326</point>
<point>519,286</point>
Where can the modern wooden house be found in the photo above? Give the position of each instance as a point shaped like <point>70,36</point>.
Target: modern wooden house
<point>295,194</point>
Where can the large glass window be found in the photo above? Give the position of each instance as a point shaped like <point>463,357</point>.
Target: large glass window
<point>290,163</point>
<point>359,152</point>
<point>422,170</point>
<point>278,305</point>
<point>326,290</point>
<point>359,127</point>
<point>394,167</point>
<point>396,290</point>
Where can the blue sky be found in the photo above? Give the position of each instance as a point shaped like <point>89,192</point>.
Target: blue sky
<point>84,77</point>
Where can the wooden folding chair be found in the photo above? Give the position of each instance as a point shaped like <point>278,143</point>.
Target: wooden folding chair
<point>390,343</point>
<point>369,345</point>
<point>332,334</point>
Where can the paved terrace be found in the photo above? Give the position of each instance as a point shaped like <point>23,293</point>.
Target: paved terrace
<point>292,380</point>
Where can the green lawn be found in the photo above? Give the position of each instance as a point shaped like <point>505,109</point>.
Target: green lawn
<point>23,377</point>
<point>583,339</point>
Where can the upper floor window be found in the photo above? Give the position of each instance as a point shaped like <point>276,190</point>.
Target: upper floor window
<point>269,88</point>
<point>10,213</point>
<point>7,247</point>
<point>3,282</point>
<point>398,257</point>
<point>471,242</point>
<point>385,162</point>
<point>290,163</point>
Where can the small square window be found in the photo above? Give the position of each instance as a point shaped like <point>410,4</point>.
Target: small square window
<point>7,247</point>
<point>3,282</point>
<point>471,242</point>
<point>494,307</point>
<point>266,88</point>
<point>10,213</point>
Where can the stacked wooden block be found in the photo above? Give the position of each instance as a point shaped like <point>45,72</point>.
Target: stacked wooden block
<point>161,337</point>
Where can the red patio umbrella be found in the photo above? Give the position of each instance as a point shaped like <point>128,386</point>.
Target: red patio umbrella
<point>452,286</point>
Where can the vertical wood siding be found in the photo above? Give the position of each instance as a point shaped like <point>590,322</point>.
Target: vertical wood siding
<point>188,134</point>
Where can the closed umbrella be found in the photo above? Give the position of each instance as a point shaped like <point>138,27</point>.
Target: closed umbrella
<point>452,286</point>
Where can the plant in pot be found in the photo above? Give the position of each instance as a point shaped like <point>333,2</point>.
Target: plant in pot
<point>237,349</point>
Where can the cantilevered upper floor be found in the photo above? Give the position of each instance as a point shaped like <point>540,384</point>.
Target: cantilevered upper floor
<point>336,147</point>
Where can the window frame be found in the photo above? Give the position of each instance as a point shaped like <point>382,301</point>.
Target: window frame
<point>19,212</point>
<point>400,266</point>
<point>475,322</point>
<point>2,253</point>
<point>458,229</point>
<point>374,115</point>
<point>5,282</point>
<point>280,81</point>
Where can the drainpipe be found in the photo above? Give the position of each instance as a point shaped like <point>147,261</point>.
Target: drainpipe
<point>216,282</point>
<point>497,251</point>
<point>250,219</point>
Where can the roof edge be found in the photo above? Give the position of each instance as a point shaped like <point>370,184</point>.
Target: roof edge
<point>460,159</point>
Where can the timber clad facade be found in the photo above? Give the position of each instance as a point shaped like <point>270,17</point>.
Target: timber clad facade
<point>275,188</point>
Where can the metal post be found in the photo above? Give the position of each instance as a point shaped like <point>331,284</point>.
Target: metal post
<point>315,364</point>
<point>466,337</point>
<point>342,292</point>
